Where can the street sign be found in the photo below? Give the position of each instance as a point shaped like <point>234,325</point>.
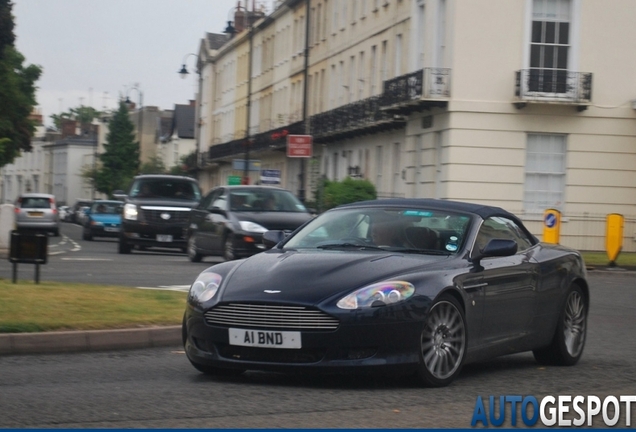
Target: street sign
<point>239,165</point>
<point>299,146</point>
<point>234,180</point>
<point>270,176</point>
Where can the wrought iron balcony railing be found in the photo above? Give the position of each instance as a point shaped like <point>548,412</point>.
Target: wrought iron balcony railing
<point>424,84</point>
<point>347,119</point>
<point>553,85</point>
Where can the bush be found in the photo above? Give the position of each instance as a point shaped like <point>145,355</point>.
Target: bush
<point>336,193</point>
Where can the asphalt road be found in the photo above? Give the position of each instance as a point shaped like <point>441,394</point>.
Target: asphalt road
<point>158,388</point>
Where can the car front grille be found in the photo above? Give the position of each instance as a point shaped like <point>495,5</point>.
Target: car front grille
<point>166,216</point>
<point>270,355</point>
<point>271,316</point>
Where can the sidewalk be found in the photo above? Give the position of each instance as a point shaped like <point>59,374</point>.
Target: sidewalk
<point>94,340</point>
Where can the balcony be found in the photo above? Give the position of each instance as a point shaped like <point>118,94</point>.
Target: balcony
<point>421,90</point>
<point>553,86</point>
<point>358,118</point>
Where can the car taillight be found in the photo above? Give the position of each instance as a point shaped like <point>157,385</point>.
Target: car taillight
<point>52,202</point>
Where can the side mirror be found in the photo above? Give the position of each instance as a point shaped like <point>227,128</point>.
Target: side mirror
<point>119,195</point>
<point>496,248</point>
<point>272,238</point>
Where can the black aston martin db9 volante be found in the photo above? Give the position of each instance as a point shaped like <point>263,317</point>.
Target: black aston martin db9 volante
<point>411,285</point>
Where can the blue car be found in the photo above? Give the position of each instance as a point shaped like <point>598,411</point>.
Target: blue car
<point>103,219</point>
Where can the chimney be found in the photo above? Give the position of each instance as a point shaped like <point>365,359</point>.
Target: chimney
<point>192,102</point>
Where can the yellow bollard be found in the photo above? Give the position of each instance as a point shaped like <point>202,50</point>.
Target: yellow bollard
<point>614,237</point>
<point>551,226</point>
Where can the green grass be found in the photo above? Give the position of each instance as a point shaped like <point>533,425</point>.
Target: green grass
<point>50,306</point>
<point>594,259</point>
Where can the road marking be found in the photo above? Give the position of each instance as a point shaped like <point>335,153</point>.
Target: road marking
<point>87,259</point>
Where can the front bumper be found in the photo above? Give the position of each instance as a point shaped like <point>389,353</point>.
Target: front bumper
<point>149,235</point>
<point>357,345</point>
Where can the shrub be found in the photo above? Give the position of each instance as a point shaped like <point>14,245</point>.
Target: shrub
<point>335,193</point>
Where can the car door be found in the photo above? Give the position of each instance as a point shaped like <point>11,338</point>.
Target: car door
<point>198,217</point>
<point>508,283</point>
<point>217,219</point>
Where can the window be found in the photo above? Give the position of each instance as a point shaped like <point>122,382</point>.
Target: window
<point>549,46</point>
<point>502,228</point>
<point>545,173</point>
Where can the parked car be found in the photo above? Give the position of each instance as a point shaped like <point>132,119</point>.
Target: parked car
<point>103,219</point>
<point>457,283</point>
<point>80,215</point>
<point>230,220</point>
<point>37,211</point>
<point>64,213</point>
<point>76,215</point>
<point>156,211</point>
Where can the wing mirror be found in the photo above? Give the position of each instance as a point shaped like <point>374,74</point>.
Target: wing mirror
<point>496,248</point>
<point>272,238</point>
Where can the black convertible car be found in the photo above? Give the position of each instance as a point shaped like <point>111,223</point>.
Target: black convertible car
<point>410,285</point>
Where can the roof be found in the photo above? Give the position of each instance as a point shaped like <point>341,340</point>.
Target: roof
<point>216,40</point>
<point>164,176</point>
<point>479,209</point>
<point>183,121</point>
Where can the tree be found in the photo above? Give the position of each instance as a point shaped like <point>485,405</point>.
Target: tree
<point>17,92</point>
<point>335,193</point>
<point>154,166</point>
<point>120,161</point>
<point>83,114</point>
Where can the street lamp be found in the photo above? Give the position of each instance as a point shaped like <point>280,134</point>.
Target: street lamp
<point>128,103</point>
<point>183,72</point>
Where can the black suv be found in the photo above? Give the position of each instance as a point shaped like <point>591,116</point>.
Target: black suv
<point>156,211</point>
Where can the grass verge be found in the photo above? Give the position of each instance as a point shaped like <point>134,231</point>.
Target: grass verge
<point>49,306</point>
<point>600,259</point>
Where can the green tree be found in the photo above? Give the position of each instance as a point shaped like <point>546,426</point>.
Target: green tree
<point>120,161</point>
<point>335,193</point>
<point>154,166</point>
<point>82,114</point>
<point>17,92</point>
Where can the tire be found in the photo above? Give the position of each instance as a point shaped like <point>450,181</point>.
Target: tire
<point>87,235</point>
<point>442,343</point>
<point>193,253</point>
<point>56,233</point>
<point>228,247</point>
<point>568,342</point>
<point>124,248</point>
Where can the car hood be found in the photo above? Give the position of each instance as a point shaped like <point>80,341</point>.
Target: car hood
<point>274,220</point>
<point>106,218</point>
<point>309,277</point>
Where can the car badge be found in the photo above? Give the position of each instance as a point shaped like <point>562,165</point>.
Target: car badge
<point>272,291</point>
<point>165,216</point>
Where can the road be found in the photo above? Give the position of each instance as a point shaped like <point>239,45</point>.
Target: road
<point>72,259</point>
<point>158,388</point>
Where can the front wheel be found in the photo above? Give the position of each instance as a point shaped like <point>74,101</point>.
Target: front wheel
<point>228,248</point>
<point>568,342</point>
<point>442,343</point>
<point>193,253</point>
<point>124,248</point>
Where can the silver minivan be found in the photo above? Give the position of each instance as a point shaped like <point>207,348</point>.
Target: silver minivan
<point>37,211</point>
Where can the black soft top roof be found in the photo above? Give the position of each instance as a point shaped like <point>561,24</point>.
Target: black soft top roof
<point>483,211</point>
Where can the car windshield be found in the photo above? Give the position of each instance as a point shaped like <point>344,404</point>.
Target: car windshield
<point>106,208</point>
<point>259,200</point>
<point>166,188</point>
<point>411,230</point>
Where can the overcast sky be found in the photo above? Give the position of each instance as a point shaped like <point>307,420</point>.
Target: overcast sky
<point>93,51</point>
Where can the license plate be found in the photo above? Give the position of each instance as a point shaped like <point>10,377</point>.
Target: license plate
<point>265,338</point>
<point>111,229</point>
<point>36,214</point>
<point>164,238</point>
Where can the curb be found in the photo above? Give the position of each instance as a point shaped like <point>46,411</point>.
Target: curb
<point>90,340</point>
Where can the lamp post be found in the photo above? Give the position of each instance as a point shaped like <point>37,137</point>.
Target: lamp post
<point>231,30</point>
<point>140,112</point>
<point>183,72</point>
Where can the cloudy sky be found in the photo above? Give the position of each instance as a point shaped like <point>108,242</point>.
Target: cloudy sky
<point>94,51</point>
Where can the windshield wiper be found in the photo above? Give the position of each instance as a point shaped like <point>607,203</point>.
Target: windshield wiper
<point>421,251</point>
<point>349,246</point>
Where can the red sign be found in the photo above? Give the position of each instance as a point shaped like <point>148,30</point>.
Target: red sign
<point>299,146</point>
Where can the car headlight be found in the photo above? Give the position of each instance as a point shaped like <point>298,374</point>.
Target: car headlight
<point>130,212</point>
<point>252,227</point>
<point>378,294</point>
<point>206,285</point>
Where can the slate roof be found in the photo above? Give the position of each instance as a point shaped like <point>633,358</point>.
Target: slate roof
<point>183,121</point>
<point>216,40</point>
